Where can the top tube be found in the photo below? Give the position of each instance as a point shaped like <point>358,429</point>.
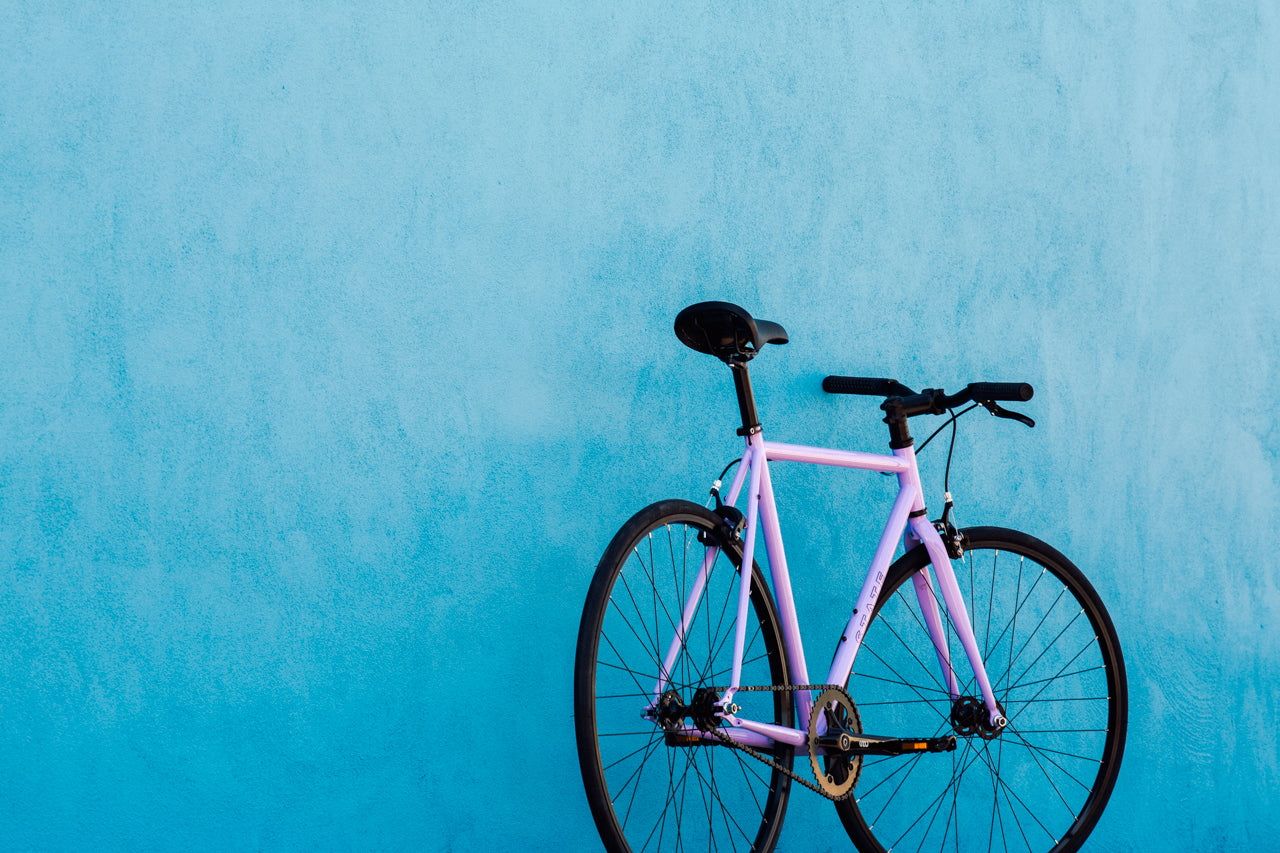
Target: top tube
<point>886,463</point>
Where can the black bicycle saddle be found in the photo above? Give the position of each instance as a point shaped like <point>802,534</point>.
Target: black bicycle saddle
<point>726,331</point>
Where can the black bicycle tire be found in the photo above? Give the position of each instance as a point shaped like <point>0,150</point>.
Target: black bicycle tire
<point>586,729</point>
<point>1016,542</point>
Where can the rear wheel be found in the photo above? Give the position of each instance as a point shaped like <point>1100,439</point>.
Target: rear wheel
<point>1055,667</point>
<point>649,790</point>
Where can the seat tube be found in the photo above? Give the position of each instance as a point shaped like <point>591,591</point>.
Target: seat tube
<point>755,456</point>
<point>781,579</point>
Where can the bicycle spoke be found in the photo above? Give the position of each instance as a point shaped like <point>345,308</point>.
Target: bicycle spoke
<point>646,694</point>
<point>933,804</point>
<point>646,748</point>
<point>941,800</point>
<point>717,646</point>
<point>657,653</point>
<point>706,781</point>
<point>918,688</point>
<point>653,584</point>
<point>749,769</point>
<point>995,803</point>
<point>902,681</point>
<point>1034,630</point>
<point>1019,604</point>
<point>1022,684</point>
<point>1024,742</point>
<point>913,763</point>
<point>923,628</point>
<point>626,669</point>
<point>1009,792</point>
<point>1052,642</point>
<point>713,677</point>
<point>709,784</point>
<point>1049,758</point>
<point>1074,658</point>
<point>657,661</point>
<point>1014,812</point>
<point>675,808</point>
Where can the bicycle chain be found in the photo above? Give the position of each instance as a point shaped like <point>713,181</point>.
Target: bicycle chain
<point>754,753</point>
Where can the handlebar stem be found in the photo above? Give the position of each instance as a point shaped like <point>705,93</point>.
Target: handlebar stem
<point>896,412</point>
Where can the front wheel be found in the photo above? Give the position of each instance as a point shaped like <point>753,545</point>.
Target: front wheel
<point>1054,663</point>
<point>652,782</point>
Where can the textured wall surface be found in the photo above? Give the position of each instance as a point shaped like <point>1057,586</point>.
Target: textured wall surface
<point>335,341</point>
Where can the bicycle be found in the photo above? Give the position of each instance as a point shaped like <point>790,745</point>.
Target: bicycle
<point>688,741</point>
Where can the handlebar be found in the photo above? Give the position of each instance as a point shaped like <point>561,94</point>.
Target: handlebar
<point>1017,391</point>
<point>933,401</point>
<point>865,386</point>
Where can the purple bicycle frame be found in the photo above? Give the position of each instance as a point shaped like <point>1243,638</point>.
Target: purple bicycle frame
<point>907,512</point>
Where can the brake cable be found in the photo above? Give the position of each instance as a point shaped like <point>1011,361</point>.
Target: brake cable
<point>944,525</point>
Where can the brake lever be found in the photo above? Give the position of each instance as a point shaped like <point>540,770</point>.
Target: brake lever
<point>1001,412</point>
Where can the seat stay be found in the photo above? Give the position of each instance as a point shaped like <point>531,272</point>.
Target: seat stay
<point>686,618</point>
<point>699,585</point>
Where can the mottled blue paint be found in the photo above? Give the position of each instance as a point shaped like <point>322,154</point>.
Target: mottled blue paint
<point>326,331</point>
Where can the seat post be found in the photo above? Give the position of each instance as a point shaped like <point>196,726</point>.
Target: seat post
<point>746,400</point>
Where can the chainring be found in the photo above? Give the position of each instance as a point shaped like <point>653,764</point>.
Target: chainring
<point>836,775</point>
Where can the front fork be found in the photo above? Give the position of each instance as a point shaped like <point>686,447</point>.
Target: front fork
<point>921,532</point>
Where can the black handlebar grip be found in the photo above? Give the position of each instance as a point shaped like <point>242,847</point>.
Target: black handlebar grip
<point>1018,391</point>
<point>859,385</point>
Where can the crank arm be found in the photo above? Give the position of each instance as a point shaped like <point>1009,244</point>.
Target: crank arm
<point>860,744</point>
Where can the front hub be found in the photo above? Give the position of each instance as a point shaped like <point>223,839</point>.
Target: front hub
<point>969,716</point>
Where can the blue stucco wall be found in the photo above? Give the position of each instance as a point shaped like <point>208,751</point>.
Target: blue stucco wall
<point>335,343</point>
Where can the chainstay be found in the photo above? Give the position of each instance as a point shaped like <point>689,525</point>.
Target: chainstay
<point>760,756</point>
